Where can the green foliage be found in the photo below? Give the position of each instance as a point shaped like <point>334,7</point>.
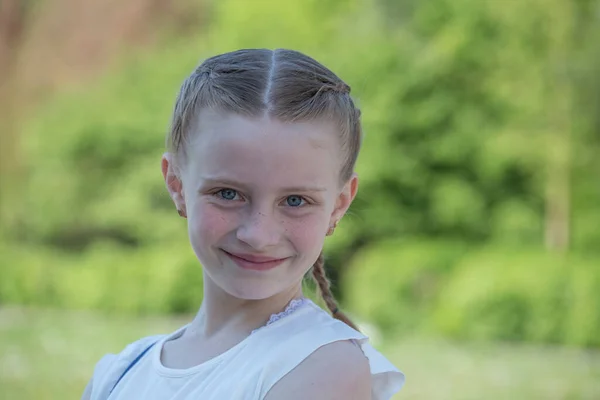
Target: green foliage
<point>497,293</point>
<point>504,294</point>
<point>185,295</point>
<point>106,276</point>
<point>396,283</point>
<point>582,326</point>
<point>94,159</point>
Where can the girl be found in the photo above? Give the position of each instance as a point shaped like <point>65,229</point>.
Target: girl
<point>260,161</point>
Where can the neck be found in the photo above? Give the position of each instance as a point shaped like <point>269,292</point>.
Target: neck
<point>221,311</point>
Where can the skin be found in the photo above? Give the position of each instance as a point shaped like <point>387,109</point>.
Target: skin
<point>337,371</point>
<point>262,188</point>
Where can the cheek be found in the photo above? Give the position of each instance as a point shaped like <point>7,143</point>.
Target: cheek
<point>209,223</point>
<point>307,233</point>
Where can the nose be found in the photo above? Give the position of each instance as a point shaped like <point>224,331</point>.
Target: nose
<point>259,231</point>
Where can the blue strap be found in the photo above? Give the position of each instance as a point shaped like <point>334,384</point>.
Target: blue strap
<point>138,358</point>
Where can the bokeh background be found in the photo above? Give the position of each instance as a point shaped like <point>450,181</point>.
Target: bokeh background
<point>472,254</point>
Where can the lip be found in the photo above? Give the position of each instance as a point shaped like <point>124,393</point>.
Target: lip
<point>255,262</point>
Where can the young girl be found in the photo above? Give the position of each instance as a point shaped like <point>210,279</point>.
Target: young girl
<point>260,161</point>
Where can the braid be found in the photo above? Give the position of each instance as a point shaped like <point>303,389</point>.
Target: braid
<point>323,285</point>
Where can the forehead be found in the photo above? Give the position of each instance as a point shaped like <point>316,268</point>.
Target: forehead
<point>264,151</point>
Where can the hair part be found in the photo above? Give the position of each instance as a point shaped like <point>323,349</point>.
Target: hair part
<point>282,84</point>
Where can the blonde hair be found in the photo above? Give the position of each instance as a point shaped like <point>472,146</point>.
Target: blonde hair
<point>283,84</point>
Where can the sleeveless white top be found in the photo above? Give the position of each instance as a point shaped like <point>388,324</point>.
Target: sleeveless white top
<point>246,371</point>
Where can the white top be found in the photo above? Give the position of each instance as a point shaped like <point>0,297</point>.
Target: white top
<point>246,371</point>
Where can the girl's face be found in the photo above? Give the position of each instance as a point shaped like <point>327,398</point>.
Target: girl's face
<point>260,196</point>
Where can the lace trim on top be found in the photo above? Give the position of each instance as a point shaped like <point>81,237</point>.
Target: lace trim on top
<point>291,307</point>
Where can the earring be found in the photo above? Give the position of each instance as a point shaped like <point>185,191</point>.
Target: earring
<point>182,213</point>
<point>332,228</point>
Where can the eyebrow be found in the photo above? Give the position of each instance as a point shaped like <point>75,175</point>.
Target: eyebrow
<point>291,189</point>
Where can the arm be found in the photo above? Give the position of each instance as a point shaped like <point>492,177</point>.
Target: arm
<point>337,371</point>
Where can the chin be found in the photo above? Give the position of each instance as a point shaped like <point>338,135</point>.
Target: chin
<point>246,291</point>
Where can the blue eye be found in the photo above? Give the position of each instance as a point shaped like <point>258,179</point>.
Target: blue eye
<point>294,201</point>
<point>227,194</point>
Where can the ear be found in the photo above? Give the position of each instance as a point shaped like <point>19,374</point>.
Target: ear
<point>173,182</point>
<point>344,199</point>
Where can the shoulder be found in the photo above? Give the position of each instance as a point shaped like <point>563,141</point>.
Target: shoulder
<point>130,352</point>
<point>311,351</point>
<point>337,370</point>
<point>109,368</point>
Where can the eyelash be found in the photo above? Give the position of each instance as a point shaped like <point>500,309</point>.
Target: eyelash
<point>219,195</point>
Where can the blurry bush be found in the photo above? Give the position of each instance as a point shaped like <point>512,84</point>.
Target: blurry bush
<point>396,283</point>
<point>106,277</point>
<point>504,294</point>
<point>497,293</point>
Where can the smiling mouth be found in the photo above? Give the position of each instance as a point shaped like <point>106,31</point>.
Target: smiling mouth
<point>256,263</point>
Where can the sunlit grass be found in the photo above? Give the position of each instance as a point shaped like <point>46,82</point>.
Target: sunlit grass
<point>441,370</point>
<point>50,354</point>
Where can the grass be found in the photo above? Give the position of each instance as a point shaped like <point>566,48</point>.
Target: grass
<point>442,370</point>
<point>50,354</point>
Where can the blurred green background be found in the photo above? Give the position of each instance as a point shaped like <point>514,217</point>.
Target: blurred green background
<point>472,254</point>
